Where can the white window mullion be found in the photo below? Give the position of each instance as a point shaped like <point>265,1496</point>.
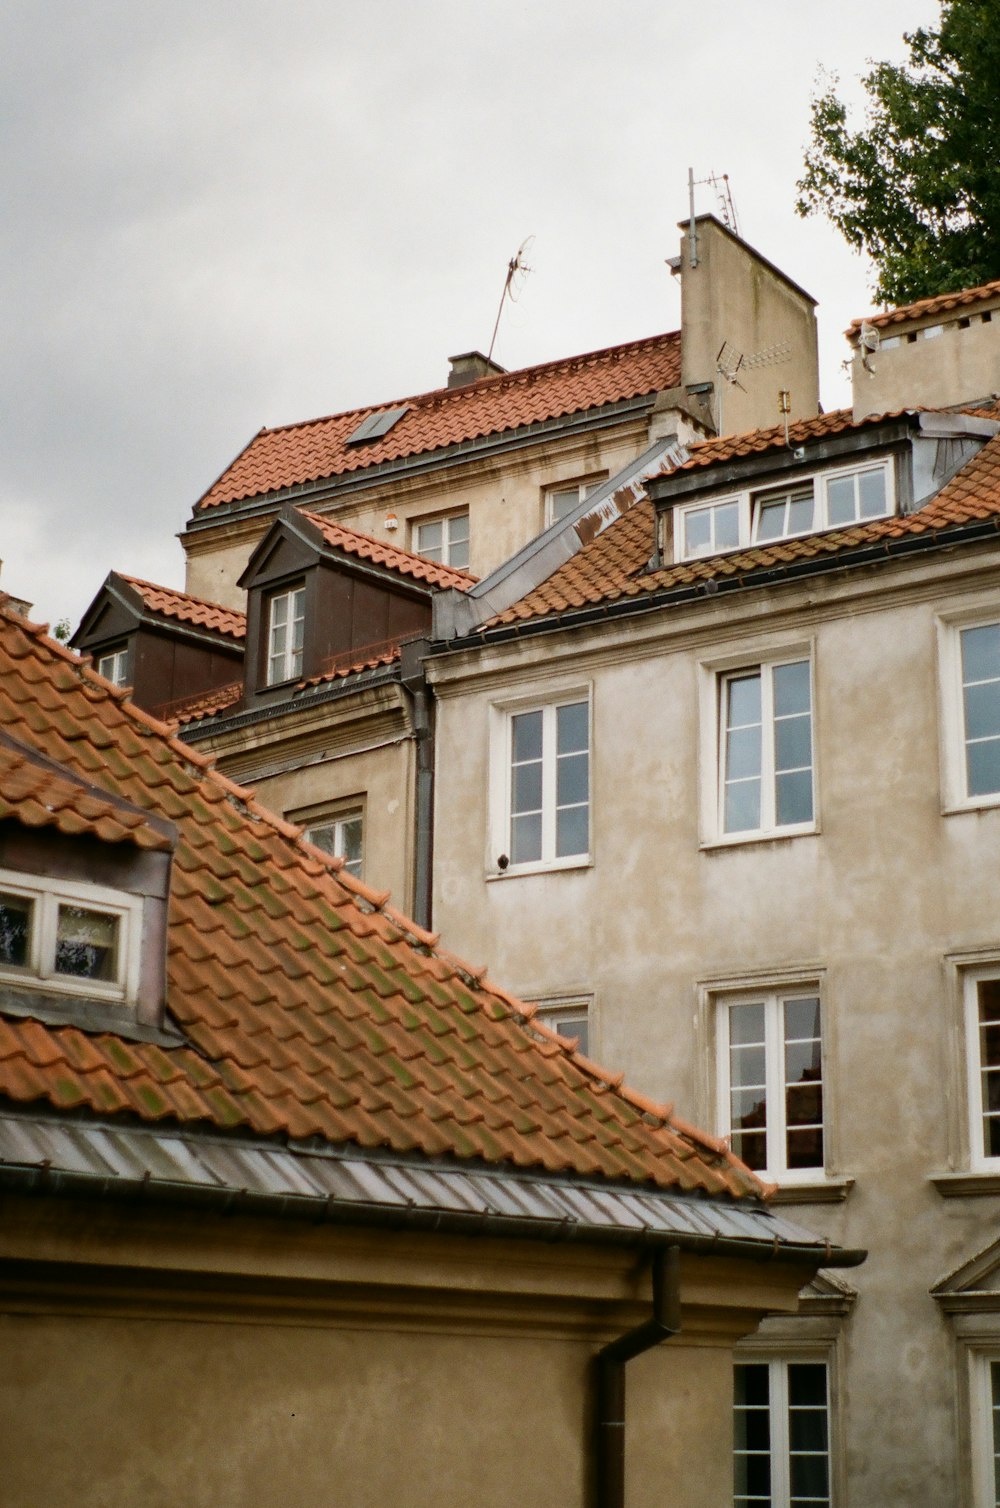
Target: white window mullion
<point>781,1487</point>
<point>774,1044</point>
<point>767,751</point>
<point>548,783</point>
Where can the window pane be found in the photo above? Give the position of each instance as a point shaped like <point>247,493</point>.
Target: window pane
<point>572,831</point>
<point>527,736</point>
<point>982,709</point>
<point>742,813</point>
<point>572,729</point>
<point>840,500</point>
<point>430,539</point>
<point>748,1066</point>
<point>793,743</point>
<point>527,787</point>
<point>15,930</point>
<point>86,944</point>
<point>746,1022</point>
<point>793,801</point>
<point>526,838</point>
<point>458,555</point>
<point>804,1147</point>
<point>698,532</point>
<point>804,1104</point>
<point>351,829</point>
<point>458,531</point>
<point>771,520</point>
<point>751,1433</point>
<point>751,1147</point>
<point>801,1019</point>
<point>791,688</point>
<point>572,782</point>
<point>871,487</point>
<point>743,701</point>
<point>743,750</point>
<point>800,512</point>
<point>727,526</point>
<point>562,502</point>
<point>983,765</point>
<point>981,653</point>
<point>801,1062</point>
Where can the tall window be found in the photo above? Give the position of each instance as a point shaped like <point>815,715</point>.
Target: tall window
<point>766,776</point>
<point>113,665</point>
<point>980,659</point>
<point>445,540</point>
<point>985,1402</point>
<point>781,1434</point>
<point>771,1082</point>
<point>983,1037</point>
<point>549,783</point>
<point>285,635</point>
<point>342,837</point>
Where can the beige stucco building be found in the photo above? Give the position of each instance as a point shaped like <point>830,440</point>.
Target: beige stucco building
<point>730,805</point>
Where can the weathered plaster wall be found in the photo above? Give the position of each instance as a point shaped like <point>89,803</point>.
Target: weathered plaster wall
<point>871,907</point>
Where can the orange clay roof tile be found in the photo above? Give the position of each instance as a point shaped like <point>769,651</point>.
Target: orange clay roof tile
<point>169,603</point>
<point>941,303</point>
<point>309,1006</point>
<point>37,793</point>
<point>300,453</point>
<point>614,565</point>
<point>364,547</point>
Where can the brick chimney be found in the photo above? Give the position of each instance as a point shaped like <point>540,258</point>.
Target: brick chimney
<point>470,366</point>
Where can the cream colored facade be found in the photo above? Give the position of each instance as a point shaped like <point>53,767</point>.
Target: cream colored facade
<point>211,1360</point>
<point>930,359</point>
<point>882,910</point>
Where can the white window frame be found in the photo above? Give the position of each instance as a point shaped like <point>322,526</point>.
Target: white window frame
<point>979,1160</point>
<point>714,677</point>
<point>772,997</point>
<point>337,821</point>
<point>750,499</point>
<point>46,897</point>
<point>449,547</point>
<point>118,667</point>
<point>501,721</point>
<point>562,1014</point>
<point>778,1413</point>
<point>951,625</point>
<point>981,1404</point>
<point>582,490</point>
<point>291,656</point>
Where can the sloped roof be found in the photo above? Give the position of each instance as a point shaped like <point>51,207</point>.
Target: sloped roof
<point>614,565</point>
<point>758,441</point>
<point>311,1007</point>
<point>941,303</point>
<point>295,454</point>
<point>365,547</point>
<point>167,602</point>
<point>37,792</point>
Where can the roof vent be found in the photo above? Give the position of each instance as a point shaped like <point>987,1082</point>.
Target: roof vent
<point>470,366</point>
<point>376,425</point>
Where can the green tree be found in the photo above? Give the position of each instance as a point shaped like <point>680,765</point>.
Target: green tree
<point>918,189</point>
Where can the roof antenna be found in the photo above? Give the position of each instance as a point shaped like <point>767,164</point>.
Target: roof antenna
<point>868,341</point>
<point>724,203</point>
<point>517,272</point>
<point>728,364</point>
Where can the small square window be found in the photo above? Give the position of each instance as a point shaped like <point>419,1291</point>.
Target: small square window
<point>285,635</point>
<point>113,665</point>
<point>445,540</point>
<point>570,1018</point>
<point>342,837</point>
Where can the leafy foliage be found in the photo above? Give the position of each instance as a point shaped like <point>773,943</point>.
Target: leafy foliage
<point>918,189</point>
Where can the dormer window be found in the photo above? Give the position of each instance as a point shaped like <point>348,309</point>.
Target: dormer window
<point>833,500</point>
<point>113,665</point>
<point>70,937</point>
<point>285,635</point>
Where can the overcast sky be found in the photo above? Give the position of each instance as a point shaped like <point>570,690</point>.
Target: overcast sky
<point>219,214</point>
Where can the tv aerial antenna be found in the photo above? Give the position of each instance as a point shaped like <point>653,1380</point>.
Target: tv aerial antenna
<point>513,287</point>
<point>719,183</point>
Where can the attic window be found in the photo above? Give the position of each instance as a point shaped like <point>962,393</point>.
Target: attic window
<point>73,938</point>
<point>376,425</point>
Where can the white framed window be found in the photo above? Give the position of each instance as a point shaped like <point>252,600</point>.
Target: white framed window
<point>969,652</point>
<point>540,799</point>
<point>286,619</point>
<point>781,1434</point>
<point>982,1037</point>
<point>445,539</point>
<point>770,1081</point>
<point>341,836</point>
<point>563,498</point>
<point>570,1018</point>
<point>765,749</point>
<point>74,938</point>
<point>113,665</point>
<point>984,1407</point>
<point>829,500</point>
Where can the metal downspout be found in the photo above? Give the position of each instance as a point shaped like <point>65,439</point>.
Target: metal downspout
<point>415,682</point>
<point>665,1321</point>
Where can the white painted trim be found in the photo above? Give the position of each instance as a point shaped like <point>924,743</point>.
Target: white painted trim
<point>950,625</point>
<point>47,895</point>
<point>498,824</point>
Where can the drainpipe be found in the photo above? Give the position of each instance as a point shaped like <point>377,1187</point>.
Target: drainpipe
<point>665,1321</point>
<point>415,681</point>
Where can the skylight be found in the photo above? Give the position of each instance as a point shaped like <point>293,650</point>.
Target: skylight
<point>376,425</point>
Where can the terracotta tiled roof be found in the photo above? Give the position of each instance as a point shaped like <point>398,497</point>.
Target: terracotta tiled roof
<point>613,566</point>
<point>36,792</point>
<point>757,441</point>
<point>941,303</point>
<point>170,603</point>
<point>365,547</point>
<point>298,453</point>
<point>205,704</point>
<point>311,1007</point>
<point>353,662</point>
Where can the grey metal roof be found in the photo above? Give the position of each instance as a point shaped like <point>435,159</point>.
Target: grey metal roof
<point>348,1185</point>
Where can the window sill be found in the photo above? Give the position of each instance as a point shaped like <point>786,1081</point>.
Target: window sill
<point>552,866</point>
<point>745,840</point>
<point>969,1183</point>
<point>987,803</point>
<point>823,1191</point>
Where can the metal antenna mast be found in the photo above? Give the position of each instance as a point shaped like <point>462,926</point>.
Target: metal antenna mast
<point>517,271</point>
